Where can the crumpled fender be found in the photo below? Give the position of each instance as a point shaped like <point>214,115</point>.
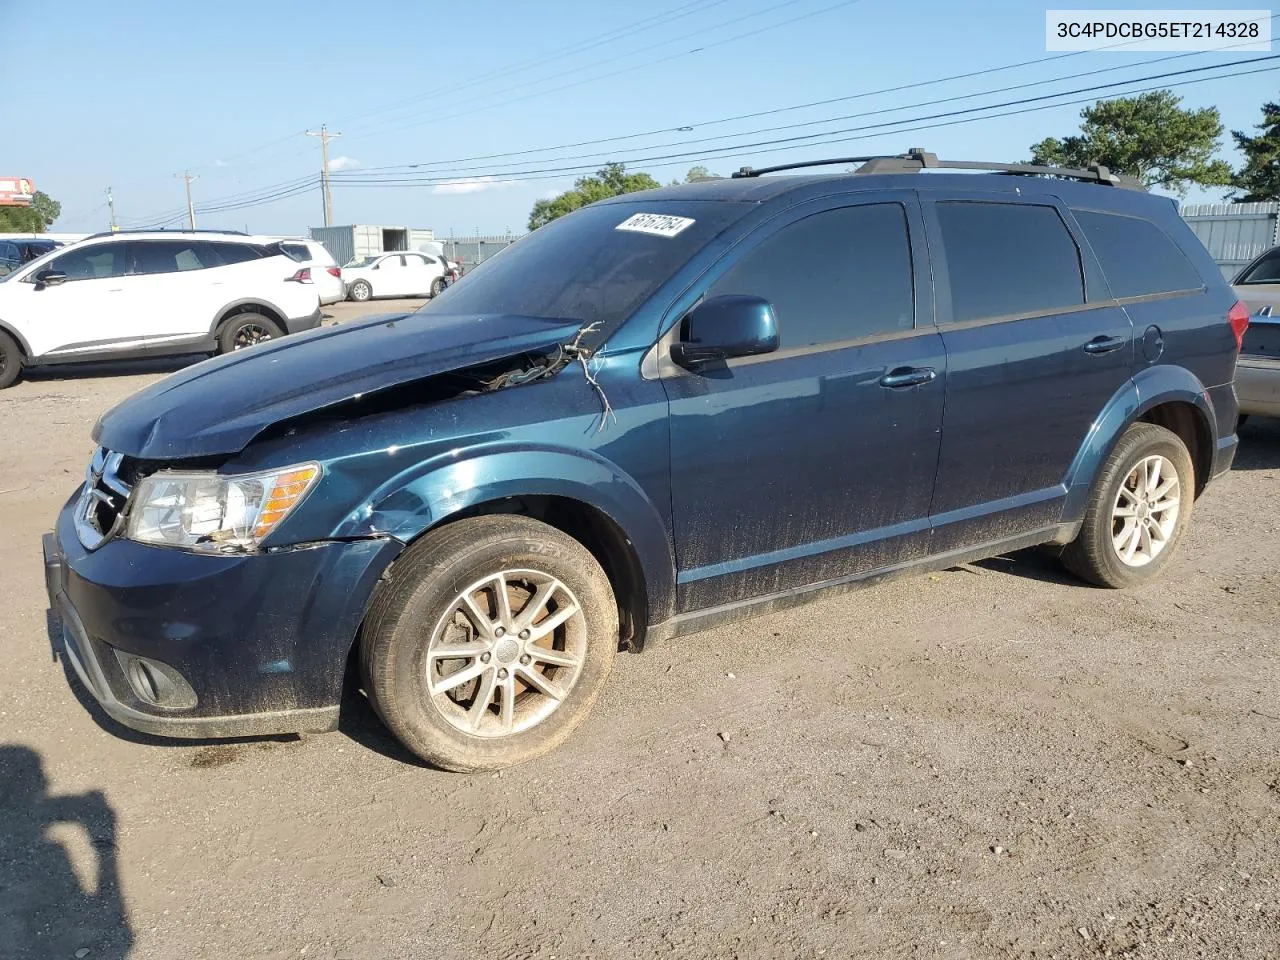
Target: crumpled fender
<point>429,492</point>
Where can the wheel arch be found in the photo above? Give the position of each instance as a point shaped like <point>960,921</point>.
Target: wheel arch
<point>1167,396</point>
<point>248,305</point>
<point>18,338</point>
<point>578,493</point>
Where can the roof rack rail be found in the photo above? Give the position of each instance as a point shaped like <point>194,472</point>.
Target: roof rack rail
<point>917,158</point>
<point>112,233</point>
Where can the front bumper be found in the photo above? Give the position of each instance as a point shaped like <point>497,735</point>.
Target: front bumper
<point>309,322</point>
<point>261,640</point>
<point>1258,386</point>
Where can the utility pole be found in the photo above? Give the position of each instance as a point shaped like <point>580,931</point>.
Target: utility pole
<point>111,205</point>
<point>325,136</point>
<point>191,210</point>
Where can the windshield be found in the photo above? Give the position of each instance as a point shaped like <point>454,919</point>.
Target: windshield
<point>596,265</point>
<point>29,268</point>
<point>364,261</point>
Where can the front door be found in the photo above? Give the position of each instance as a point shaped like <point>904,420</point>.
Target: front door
<point>88,313</point>
<point>814,463</point>
<point>1036,348</point>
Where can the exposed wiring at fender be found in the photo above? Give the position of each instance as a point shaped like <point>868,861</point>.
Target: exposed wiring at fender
<point>574,350</point>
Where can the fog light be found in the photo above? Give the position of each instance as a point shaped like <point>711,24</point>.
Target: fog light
<point>156,683</point>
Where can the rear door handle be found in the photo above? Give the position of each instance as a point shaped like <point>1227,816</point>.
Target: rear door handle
<point>1103,344</point>
<point>907,377</point>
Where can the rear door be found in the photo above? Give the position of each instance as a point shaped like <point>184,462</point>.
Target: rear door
<point>1035,349</point>
<point>176,286</point>
<point>808,465</point>
<point>421,270</point>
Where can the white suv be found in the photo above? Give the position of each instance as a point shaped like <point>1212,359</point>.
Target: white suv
<point>125,295</point>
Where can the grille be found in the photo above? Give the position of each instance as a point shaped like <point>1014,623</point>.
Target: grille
<point>101,506</point>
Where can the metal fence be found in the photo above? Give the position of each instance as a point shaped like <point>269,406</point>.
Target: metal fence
<point>468,251</point>
<point>1234,233</point>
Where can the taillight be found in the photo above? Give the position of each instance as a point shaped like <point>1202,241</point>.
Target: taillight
<point>1238,317</point>
<point>333,271</point>
<point>302,276</point>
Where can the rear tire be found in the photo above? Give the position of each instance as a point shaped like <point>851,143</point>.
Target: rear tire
<point>1137,511</point>
<point>437,286</point>
<point>246,329</point>
<point>360,291</point>
<point>530,621</point>
<point>10,360</point>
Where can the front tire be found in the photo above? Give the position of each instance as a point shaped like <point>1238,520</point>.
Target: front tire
<point>490,643</point>
<point>360,291</point>
<point>10,361</point>
<point>246,329</point>
<point>1137,512</point>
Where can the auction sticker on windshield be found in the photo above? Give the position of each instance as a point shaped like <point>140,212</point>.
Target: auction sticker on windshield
<point>658,224</point>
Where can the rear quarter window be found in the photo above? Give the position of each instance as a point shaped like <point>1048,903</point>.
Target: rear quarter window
<point>1138,258</point>
<point>296,251</point>
<point>230,253</point>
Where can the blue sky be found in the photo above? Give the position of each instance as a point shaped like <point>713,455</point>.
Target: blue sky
<point>130,94</point>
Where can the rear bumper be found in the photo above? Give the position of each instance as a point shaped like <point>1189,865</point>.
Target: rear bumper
<point>259,642</point>
<point>309,322</point>
<point>1258,386</point>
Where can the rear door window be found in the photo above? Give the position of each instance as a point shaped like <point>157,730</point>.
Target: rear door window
<point>838,275</point>
<point>1138,257</point>
<point>1005,259</point>
<point>172,256</point>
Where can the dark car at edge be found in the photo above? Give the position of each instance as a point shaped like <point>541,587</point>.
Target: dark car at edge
<point>665,411</point>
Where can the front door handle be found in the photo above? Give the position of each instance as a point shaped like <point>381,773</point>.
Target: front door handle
<point>1104,344</point>
<point>907,377</point>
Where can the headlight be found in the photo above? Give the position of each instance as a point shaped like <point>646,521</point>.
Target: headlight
<point>205,511</point>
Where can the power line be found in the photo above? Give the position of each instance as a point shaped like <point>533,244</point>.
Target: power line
<point>816,103</point>
<point>648,64</point>
<point>581,46</point>
<point>836,136</point>
<point>730,148</point>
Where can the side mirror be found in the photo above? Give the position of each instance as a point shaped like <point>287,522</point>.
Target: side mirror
<point>50,278</point>
<point>725,327</point>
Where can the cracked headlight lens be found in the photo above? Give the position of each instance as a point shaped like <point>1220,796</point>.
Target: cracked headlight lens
<point>209,512</point>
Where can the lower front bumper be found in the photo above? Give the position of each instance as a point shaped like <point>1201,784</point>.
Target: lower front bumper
<point>261,640</point>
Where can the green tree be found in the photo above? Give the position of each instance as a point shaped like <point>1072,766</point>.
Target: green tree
<point>695,173</point>
<point>34,218</point>
<point>1149,137</point>
<point>609,181</point>
<point>1259,178</point>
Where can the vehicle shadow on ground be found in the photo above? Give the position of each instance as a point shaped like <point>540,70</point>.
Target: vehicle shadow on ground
<point>1259,445</point>
<point>358,722</point>
<point>111,368</point>
<point>1032,564</point>
<point>45,908</point>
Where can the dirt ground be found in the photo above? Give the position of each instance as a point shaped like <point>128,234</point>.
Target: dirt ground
<point>995,761</point>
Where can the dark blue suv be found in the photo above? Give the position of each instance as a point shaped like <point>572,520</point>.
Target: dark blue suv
<point>664,411</point>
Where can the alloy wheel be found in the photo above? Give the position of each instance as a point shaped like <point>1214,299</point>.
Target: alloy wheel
<point>249,334</point>
<point>507,652</point>
<point>1145,512</point>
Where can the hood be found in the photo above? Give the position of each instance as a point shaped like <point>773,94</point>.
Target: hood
<point>218,406</point>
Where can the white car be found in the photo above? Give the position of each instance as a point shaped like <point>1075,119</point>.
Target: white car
<point>401,273</point>
<point>325,272</point>
<point>126,295</point>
